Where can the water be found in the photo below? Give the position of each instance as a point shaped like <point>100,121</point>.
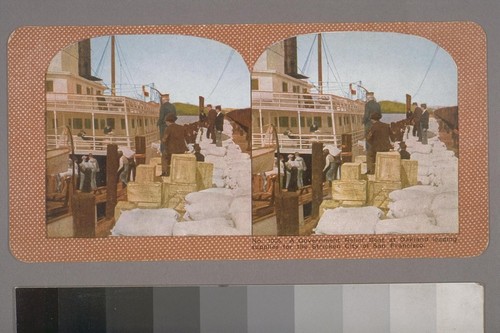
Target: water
<point>392,117</point>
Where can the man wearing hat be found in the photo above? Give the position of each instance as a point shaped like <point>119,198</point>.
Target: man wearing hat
<point>424,124</point>
<point>173,141</point>
<point>219,126</point>
<point>166,108</point>
<point>211,115</point>
<point>371,107</point>
<point>379,138</point>
<point>417,113</point>
<point>402,151</point>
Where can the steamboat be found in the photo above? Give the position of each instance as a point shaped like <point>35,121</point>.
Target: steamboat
<point>83,116</point>
<point>289,114</point>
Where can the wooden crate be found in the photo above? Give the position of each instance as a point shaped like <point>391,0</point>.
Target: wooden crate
<point>360,159</point>
<point>378,192</point>
<point>183,168</point>
<point>204,175</point>
<point>145,173</point>
<point>351,190</point>
<point>155,161</point>
<point>146,192</point>
<point>388,167</point>
<point>409,172</point>
<point>174,194</point>
<point>351,171</point>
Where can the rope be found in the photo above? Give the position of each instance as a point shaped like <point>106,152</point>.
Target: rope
<point>427,71</point>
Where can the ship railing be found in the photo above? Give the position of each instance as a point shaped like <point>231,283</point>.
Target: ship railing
<point>301,142</point>
<point>268,100</point>
<point>96,145</point>
<point>57,102</point>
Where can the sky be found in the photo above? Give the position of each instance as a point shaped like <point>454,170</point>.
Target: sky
<point>183,66</point>
<point>390,64</point>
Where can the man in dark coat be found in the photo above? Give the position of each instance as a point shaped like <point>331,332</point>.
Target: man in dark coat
<point>424,124</point>
<point>417,113</point>
<point>173,141</point>
<point>211,114</point>
<point>166,108</point>
<point>379,138</point>
<point>371,107</point>
<point>219,126</point>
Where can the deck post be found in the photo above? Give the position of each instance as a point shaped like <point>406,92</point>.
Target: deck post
<point>111,179</point>
<point>140,149</point>
<point>317,165</point>
<point>287,214</point>
<point>84,215</point>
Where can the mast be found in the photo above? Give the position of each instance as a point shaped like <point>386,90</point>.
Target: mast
<point>113,83</point>
<point>320,66</point>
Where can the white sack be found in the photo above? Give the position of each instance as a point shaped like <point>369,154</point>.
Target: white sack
<point>145,222</point>
<point>345,221</point>
<point>414,224</point>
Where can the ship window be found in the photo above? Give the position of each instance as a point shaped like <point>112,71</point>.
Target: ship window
<point>330,123</point>
<point>77,123</point>
<point>146,122</point>
<point>293,122</point>
<point>285,87</point>
<point>78,88</point>
<point>284,122</point>
<point>309,122</point>
<point>140,122</point>
<point>302,122</point>
<point>133,123</point>
<point>49,86</point>
<point>318,121</point>
<point>296,89</point>
<point>275,121</point>
<point>88,91</point>
<point>110,122</point>
<point>96,123</point>
<point>255,84</point>
<point>340,121</point>
<point>88,123</point>
<point>123,123</point>
<point>102,123</point>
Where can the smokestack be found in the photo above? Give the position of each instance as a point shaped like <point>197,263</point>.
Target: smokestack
<point>84,64</point>
<point>291,56</point>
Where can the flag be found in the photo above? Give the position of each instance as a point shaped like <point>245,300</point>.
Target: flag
<point>353,90</point>
<point>144,92</point>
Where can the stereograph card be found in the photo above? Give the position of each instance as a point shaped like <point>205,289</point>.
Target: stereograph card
<point>270,141</point>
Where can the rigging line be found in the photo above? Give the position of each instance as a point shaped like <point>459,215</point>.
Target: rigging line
<point>98,69</point>
<point>333,62</point>
<point>306,62</point>
<point>124,66</point>
<point>223,71</point>
<point>427,71</point>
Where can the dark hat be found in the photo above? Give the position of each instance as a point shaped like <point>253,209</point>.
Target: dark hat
<point>376,116</point>
<point>217,107</point>
<point>209,105</point>
<point>424,105</point>
<point>414,103</point>
<point>370,93</point>
<point>165,95</point>
<point>171,117</point>
<point>402,145</point>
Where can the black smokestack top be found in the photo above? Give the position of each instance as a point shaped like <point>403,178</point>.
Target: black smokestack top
<point>84,60</point>
<point>291,58</point>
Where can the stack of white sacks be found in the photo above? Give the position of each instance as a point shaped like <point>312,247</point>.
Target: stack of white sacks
<point>431,207</point>
<point>224,209</point>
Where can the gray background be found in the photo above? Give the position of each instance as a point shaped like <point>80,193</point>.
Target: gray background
<point>484,269</point>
